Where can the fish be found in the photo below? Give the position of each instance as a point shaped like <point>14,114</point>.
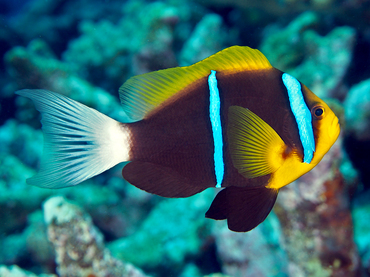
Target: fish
<point>231,121</point>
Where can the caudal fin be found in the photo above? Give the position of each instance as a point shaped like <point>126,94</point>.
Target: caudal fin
<point>79,142</point>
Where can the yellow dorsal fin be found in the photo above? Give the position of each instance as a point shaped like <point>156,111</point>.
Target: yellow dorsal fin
<point>141,94</point>
<point>255,148</point>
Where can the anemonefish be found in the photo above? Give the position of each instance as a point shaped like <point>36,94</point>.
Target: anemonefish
<point>231,121</point>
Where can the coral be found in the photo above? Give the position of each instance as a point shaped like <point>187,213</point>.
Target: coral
<point>29,246</point>
<point>57,21</point>
<point>348,171</point>
<point>317,224</point>
<point>298,49</point>
<point>217,275</point>
<point>247,254</point>
<point>109,59</point>
<point>78,244</point>
<point>22,141</point>
<point>38,247</point>
<point>17,199</point>
<point>191,270</point>
<point>36,67</point>
<point>327,59</point>
<point>208,37</point>
<point>283,47</point>
<point>15,271</point>
<point>361,219</point>
<point>357,110</point>
<point>263,12</point>
<point>13,249</point>
<point>173,231</point>
<point>116,208</point>
<point>357,140</point>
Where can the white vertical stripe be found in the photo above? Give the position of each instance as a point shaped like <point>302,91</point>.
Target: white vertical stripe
<point>302,115</point>
<point>215,117</point>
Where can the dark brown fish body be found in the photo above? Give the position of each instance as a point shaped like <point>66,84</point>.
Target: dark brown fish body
<point>186,157</point>
<point>231,121</point>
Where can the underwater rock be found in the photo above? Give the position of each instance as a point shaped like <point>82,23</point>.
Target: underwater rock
<point>357,111</point>
<point>317,223</point>
<point>173,232</point>
<point>247,254</point>
<point>78,244</point>
<point>298,49</point>
<point>15,271</point>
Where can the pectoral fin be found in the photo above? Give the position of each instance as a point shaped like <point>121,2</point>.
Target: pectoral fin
<point>244,208</point>
<point>256,149</point>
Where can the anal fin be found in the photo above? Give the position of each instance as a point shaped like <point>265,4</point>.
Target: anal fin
<point>243,207</point>
<point>159,180</point>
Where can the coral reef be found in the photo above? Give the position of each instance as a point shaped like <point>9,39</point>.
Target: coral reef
<point>111,58</point>
<point>316,221</point>
<point>283,47</point>
<point>265,11</point>
<point>87,49</point>
<point>357,110</point>
<point>208,37</point>
<point>361,217</point>
<point>78,245</point>
<point>170,234</point>
<point>298,49</point>
<point>36,67</point>
<point>15,271</point>
<point>247,254</point>
<point>31,245</point>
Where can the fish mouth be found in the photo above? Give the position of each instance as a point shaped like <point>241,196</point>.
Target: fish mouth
<point>334,128</point>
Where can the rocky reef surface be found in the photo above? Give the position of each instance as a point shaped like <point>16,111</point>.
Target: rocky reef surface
<point>320,225</point>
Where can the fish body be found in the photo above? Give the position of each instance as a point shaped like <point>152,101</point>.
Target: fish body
<point>231,121</point>
<point>186,128</point>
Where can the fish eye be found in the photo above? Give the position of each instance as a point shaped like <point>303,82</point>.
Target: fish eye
<point>318,112</point>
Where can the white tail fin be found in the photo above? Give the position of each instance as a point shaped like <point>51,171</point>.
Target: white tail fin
<point>79,142</point>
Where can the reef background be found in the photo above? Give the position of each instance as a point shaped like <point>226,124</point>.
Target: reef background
<point>320,225</point>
